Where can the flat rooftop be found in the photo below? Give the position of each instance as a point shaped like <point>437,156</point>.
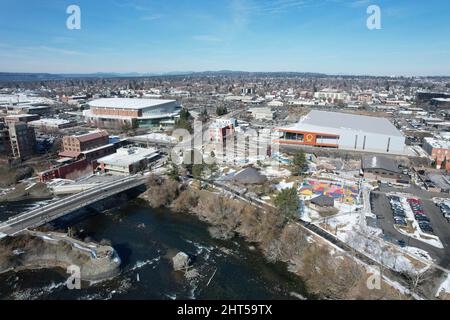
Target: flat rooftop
<point>16,116</point>
<point>127,156</point>
<point>128,103</point>
<point>325,120</point>
<point>438,143</point>
<point>49,121</point>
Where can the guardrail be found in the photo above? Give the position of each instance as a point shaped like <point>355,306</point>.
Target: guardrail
<point>71,203</point>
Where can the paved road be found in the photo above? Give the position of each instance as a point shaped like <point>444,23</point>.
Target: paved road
<point>54,210</point>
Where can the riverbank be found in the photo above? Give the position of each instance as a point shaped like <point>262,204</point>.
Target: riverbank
<point>327,272</point>
<point>39,250</point>
<point>26,191</point>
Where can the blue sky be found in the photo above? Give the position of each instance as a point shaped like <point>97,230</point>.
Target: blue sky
<point>328,36</point>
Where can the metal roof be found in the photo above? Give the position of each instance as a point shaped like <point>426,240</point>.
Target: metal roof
<point>128,103</point>
<point>249,175</point>
<point>378,162</point>
<point>92,136</point>
<point>323,201</point>
<point>333,122</point>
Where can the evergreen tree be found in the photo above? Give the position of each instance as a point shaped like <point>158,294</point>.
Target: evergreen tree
<point>300,163</point>
<point>287,202</point>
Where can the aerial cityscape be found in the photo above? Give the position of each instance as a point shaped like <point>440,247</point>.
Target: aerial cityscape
<point>217,150</point>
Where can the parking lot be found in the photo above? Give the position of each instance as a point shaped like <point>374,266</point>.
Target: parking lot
<point>409,212</point>
<point>387,217</point>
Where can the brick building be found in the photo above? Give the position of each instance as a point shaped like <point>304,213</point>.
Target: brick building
<point>439,151</point>
<point>78,143</point>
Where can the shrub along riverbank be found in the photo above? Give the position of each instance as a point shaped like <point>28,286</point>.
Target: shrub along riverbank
<point>326,272</point>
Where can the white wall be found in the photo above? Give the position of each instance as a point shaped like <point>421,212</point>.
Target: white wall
<point>373,142</point>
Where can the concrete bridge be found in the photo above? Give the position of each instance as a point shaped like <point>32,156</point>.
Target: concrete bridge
<point>42,215</point>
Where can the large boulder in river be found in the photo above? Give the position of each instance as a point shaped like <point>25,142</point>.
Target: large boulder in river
<point>180,261</point>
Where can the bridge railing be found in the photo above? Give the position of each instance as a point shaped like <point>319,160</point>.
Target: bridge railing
<point>67,200</point>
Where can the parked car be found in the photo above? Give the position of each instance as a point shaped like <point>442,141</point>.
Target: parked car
<point>420,217</point>
<point>400,221</point>
<point>399,214</point>
<point>425,226</point>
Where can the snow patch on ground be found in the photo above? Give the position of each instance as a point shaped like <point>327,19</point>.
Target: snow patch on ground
<point>419,253</point>
<point>284,185</point>
<point>444,288</point>
<point>275,171</point>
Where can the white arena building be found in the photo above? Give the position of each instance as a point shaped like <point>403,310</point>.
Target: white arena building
<point>136,112</point>
<point>344,131</point>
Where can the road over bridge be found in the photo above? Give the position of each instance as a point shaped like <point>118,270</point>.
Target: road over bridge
<point>42,215</point>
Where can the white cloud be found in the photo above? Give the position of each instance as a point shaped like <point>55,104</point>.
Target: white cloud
<point>360,3</point>
<point>152,17</point>
<point>207,38</point>
<point>56,50</point>
<point>39,49</point>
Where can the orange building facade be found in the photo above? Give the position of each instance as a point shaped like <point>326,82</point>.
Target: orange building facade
<point>306,138</point>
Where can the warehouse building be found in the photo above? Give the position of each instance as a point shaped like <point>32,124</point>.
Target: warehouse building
<point>74,145</point>
<point>131,112</point>
<point>344,131</point>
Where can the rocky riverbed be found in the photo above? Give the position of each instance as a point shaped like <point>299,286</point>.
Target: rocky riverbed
<point>39,250</point>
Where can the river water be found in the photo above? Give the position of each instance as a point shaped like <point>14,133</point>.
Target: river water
<point>145,239</point>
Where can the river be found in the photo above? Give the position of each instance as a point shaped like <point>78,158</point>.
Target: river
<point>145,239</point>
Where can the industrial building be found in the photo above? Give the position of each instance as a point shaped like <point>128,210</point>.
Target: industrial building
<point>127,160</point>
<point>79,155</point>
<point>74,145</point>
<point>344,131</point>
<point>133,112</point>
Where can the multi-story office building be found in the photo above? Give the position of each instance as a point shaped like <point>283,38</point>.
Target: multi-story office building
<point>22,139</point>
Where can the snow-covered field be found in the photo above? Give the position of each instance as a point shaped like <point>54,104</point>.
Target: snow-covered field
<point>275,171</point>
<point>444,288</point>
<point>284,185</point>
<point>349,225</point>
